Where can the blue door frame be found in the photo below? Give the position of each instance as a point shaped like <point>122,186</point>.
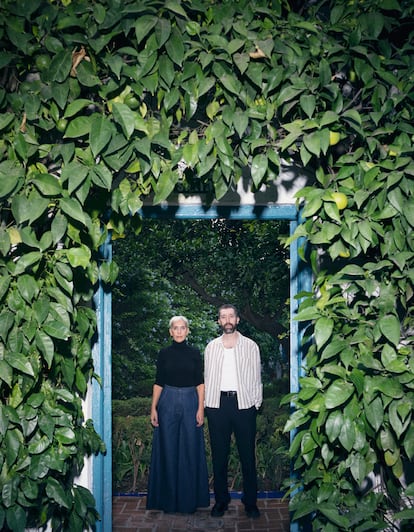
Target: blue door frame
<point>300,280</point>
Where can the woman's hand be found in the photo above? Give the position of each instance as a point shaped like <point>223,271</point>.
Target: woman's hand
<point>200,417</point>
<point>154,417</point>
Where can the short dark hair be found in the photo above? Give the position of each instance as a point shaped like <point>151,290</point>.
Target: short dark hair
<point>228,306</point>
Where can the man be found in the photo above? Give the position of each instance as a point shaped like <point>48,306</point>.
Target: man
<point>233,394</point>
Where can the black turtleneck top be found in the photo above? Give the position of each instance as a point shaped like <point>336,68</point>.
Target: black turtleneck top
<point>179,365</point>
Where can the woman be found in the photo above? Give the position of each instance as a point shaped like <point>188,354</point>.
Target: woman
<point>178,479</point>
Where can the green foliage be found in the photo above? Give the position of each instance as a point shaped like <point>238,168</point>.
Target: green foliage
<point>353,412</point>
<point>102,104</point>
<point>191,267</point>
<point>135,406</point>
<point>132,442</point>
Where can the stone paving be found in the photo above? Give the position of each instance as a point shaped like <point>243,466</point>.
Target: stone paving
<point>130,515</point>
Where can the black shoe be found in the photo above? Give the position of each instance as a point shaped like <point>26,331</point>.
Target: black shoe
<point>252,511</point>
<point>218,509</point>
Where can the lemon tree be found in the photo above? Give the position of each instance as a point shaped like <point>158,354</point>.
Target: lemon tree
<point>155,94</point>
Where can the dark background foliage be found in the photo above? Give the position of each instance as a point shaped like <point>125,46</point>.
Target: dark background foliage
<point>191,267</point>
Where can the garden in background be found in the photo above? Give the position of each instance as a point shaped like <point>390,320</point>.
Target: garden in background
<point>191,267</point>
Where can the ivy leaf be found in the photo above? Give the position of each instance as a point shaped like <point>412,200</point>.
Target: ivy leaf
<point>27,260</point>
<point>48,185</point>
<point>16,517</point>
<point>45,345</point>
<point>12,443</point>
<point>408,442</point>
<point>231,83</point>
<point>308,104</point>
<point>27,287</point>
<point>5,120</point>
<point>387,440</point>
<point>79,256</point>
<point>395,420</point>
<point>60,66</point>
<point>165,186</point>
<point>305,155</point>
<point>391,328</point>
<point>288,93</point>
<point>39,446</point>
<point>100,134</point>
<point>65,435</point>
<point>59,226</point>
<point>80,381</point>
<point>57,493</point>
<point>347,433</point>
<point>25,209</point>
<point>325,73</point>
<point>241,61</point>
<point>175,7</point>
<point>56,329</point>
<point>334,516</point>
<point>307,314</point>
<point>175,47</point>
<point>313,142</point>
<point>323,331</point>
<point>166,70</point>
<point>359,469</point>
<point>72,208</point>
<point>78,127</point>
<point>144,25</point>
<point>74,107</point>
<point>6,375</point>
<point>389,387</point>
<point>338,393</point>
<point>409,211</point>
<point>333,425</point>
<point>259,168</point>
<point>162,31</point>
<point>102,176</point>
<point>10,177</point>
<point>86,74</point>
<point>190,154</point>
<point>20,362</point>
<point>333,348</point>
<point>125,117</point>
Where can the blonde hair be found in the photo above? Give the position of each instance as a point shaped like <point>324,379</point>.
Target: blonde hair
<point>179,318</point>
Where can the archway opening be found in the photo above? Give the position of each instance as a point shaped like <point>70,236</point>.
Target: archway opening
<point>190,267</point>
<point>101,398</point>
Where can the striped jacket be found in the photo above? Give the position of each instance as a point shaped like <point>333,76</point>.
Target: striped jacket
<point>248,368</point>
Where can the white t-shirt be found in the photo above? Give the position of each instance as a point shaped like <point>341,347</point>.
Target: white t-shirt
<point>228,372</point>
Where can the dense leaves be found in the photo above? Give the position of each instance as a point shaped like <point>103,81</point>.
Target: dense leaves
<point>104,104</point>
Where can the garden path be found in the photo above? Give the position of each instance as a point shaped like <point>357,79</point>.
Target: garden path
<point>130,515</point>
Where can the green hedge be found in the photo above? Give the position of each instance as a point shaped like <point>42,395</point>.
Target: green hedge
<point>132,439</point>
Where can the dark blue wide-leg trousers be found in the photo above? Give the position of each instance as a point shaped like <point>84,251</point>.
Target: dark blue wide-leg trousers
<point>178,479</point>
<point>222,422</point>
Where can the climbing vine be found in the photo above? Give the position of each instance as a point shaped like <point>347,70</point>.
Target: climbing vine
<point>106,103</point>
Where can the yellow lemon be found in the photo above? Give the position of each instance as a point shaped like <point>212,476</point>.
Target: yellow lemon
<point>344,254</point>
<point>340,199</point>
<point>334,138</point>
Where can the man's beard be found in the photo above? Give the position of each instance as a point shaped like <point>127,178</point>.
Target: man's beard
<point>229,328</point>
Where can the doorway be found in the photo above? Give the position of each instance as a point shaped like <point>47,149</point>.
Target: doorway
<point>300,280</point>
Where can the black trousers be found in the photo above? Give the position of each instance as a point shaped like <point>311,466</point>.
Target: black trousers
<point>222,422</point>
